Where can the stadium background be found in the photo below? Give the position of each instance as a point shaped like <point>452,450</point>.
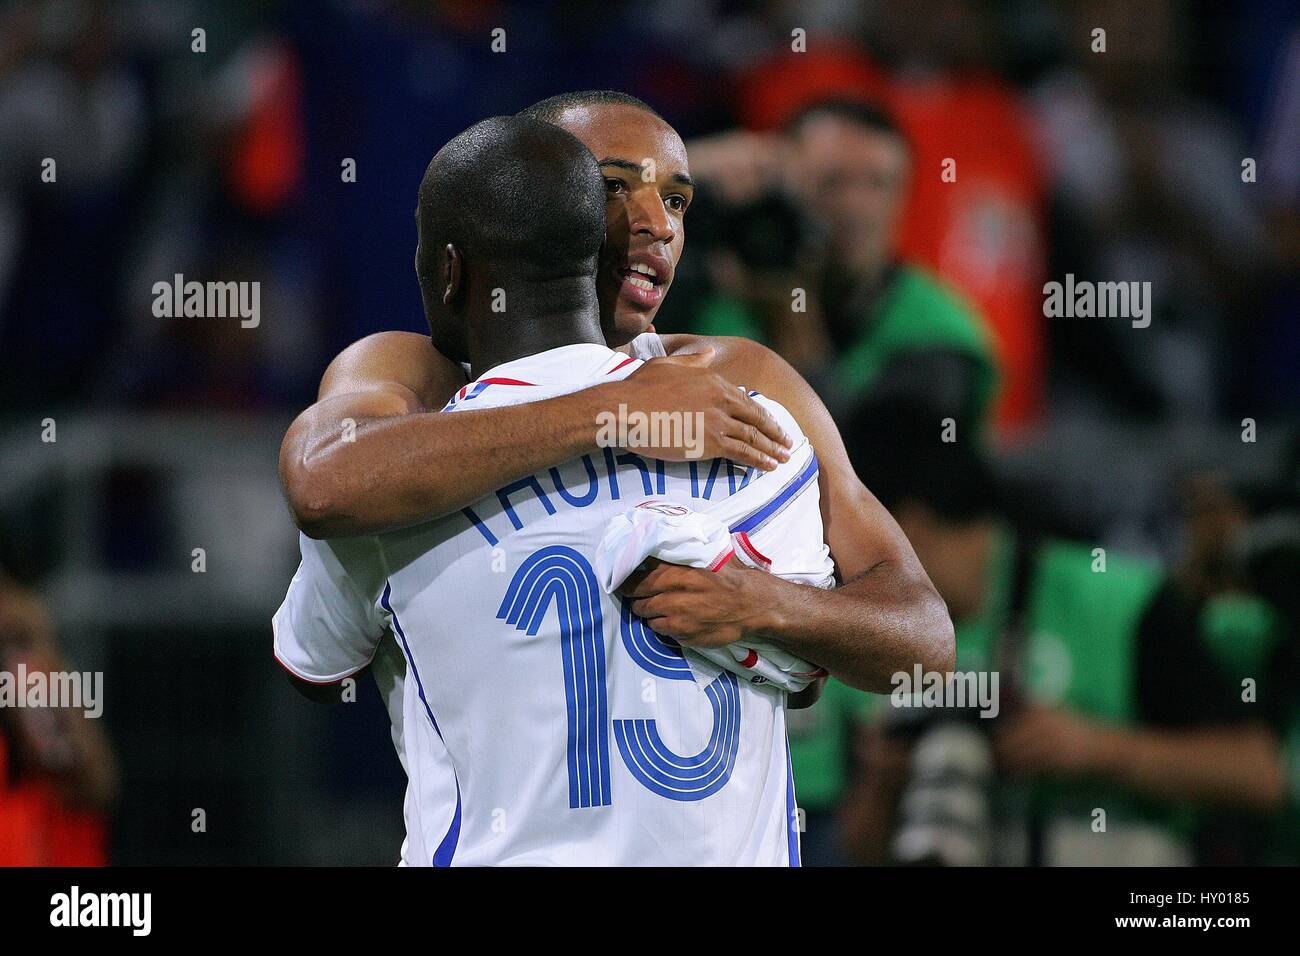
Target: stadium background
<point>226,164</point>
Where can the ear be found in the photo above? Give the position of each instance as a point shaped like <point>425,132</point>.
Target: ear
<point>451,274</point>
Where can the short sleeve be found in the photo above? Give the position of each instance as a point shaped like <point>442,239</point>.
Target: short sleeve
<point>330,623</point>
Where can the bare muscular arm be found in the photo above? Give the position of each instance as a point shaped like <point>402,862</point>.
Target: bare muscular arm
<point>373,454</point>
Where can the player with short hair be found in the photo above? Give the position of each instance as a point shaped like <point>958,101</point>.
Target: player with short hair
<point>540,721</point>
<point>403,465</point>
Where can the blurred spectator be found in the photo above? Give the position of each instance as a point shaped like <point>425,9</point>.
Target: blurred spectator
<point>938,70</point>
<point>1242,560</point>
<point>803,257</point>
<point>68,96</point>
<point>1147,185</point>
<point>1266,365</point>
<point>58,777</point>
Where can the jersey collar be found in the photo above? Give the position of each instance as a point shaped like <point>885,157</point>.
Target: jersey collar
<point>565,365</point>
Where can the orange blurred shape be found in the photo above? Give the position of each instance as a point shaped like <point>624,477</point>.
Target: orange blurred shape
<point>266,163</point>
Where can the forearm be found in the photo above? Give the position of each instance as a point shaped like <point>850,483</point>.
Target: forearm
<point>397,471</point>
<point>1234,766</point>
<point>367,457</point>
<point>864,631</point>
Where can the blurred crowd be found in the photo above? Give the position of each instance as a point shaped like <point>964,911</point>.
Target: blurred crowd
<point>884,190</point>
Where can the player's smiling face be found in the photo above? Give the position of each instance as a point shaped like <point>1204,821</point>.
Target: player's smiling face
<point>648,189</point>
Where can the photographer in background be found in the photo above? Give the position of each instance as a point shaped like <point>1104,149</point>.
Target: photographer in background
<point>58,777</point>
<point>1242,560</point>
<point>800,230</point>
<point>1109,698</point>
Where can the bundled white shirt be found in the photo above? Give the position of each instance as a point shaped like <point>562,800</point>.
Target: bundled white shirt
<point>672,532</point>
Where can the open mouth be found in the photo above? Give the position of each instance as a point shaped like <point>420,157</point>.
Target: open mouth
<point>641,284</point>
<point>641,276</point>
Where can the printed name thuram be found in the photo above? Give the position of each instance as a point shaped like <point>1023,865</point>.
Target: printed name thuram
<point>20,688</point>
<point>208,300</point>
<point>1101,300</point>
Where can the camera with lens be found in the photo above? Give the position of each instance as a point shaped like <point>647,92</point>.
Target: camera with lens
<point>945,815</point>
<point>766,232</point>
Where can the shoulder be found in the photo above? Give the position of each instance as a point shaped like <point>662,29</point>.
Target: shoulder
<point>757,368</point>
<point>384,359</point>
<point>400,351</point>
<point>741,360</point>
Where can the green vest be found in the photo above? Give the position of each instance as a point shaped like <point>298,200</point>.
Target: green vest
<point>1080,652</point>
<point>1081,647</point>
<point>915,313</point>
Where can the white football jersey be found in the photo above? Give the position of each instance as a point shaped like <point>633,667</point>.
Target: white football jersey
<point>538,720</point>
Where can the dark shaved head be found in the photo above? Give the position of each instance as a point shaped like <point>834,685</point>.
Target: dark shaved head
<point>513,203</point>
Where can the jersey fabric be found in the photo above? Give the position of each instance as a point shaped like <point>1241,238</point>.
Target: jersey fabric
<point>541,722</point>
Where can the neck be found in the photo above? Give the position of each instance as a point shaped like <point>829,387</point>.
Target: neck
<point>537,317</point>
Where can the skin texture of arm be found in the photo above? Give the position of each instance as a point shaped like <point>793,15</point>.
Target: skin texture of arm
<point>372,454</point>
<point>883,618</point>
<point>357,460</point>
